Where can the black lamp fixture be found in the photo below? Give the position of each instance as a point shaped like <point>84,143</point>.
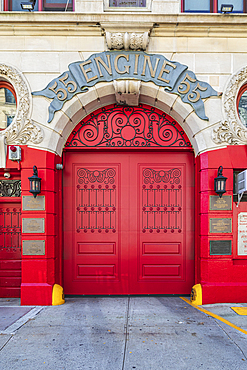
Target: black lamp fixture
<point>220,183</point>
<point>28,5</point>
<point>34,182</point>
<point>226,8</point>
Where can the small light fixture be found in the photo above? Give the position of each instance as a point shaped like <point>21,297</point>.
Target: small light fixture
<point>226,8</point>
<point>34,182</point>
<point>220,183</point>
<point>28,5</point>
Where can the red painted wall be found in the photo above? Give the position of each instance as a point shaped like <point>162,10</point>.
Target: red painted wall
<point>223,278</point>
<point>40,273</point>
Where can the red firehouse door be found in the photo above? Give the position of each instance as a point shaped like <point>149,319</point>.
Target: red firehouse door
<point>128,222</point>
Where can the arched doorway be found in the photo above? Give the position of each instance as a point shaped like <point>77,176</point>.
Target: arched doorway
<point>128,204</point>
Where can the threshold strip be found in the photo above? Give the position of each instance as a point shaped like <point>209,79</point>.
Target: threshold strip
<point>214,315</point>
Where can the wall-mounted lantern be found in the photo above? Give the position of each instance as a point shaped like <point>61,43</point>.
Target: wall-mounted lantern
<point>220,183</point>
<point>35,182</point>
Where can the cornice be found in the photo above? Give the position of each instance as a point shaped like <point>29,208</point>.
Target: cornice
<point>42,23</point>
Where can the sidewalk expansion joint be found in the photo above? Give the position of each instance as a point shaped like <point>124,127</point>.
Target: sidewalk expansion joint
<point>233,341</point>
<point>11,330</point>
<point>126,333</point>
<point>214,316</point>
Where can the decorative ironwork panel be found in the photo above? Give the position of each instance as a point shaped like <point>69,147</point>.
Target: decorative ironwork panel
<point>10,188</point>
<point>124,127</point>
<point>96,200</point>
<point>161,200</point>
<point>10,228</point>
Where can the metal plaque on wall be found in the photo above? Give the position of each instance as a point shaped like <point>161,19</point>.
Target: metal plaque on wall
<point>220,225</point>
<point>220,204</point>
<point>29,203</point>
<point>220,247</point>
<point>33,225</point>
<point>33,247</point>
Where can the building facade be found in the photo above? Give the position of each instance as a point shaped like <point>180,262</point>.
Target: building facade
<point>129,111</point>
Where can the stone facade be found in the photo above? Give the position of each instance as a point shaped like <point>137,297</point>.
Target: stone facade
<point>36,48</point>
<point>41,46</point>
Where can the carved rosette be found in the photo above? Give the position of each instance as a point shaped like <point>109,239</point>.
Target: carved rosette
<point>22,129</point>
<point>127,41</point>
<point>231,130</point>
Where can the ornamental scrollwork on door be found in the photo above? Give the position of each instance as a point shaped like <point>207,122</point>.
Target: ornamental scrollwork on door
<point>172,176</point>
<point>96,198</point>
<point>124,127</point>
<point>161,200</point>
<point>106,176</point>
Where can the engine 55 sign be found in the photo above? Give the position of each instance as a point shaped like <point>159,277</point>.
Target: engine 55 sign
<point>109,66</point>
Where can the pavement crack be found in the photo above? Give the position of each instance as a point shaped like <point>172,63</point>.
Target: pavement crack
<point>126,332</point>
<point>6,343</point>
<point>233,341</point>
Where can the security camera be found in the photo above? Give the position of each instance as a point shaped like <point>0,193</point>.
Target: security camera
<point>7,175</point>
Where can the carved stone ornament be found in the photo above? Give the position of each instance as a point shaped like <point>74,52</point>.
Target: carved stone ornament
<point>231,130</point>
<point>127,92</point>
<point>22,129</point>
<point>127,41</point>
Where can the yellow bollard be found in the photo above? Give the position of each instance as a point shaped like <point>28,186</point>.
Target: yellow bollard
<point>196,295</point>
<point>57,295</point>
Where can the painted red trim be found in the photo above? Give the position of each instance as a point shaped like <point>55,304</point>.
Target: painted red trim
<point>7,85</point>
<point>6,5</point>
<point>182,6</point>
<point>60,227</point>
<point>214,5</point>
<point>240,93</point>
<point>10,199</point>
<point>196,218</point>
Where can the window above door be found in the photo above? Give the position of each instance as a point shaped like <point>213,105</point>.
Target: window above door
<point>212,6</point>
<point>40,5</point>
<point>127,5</point>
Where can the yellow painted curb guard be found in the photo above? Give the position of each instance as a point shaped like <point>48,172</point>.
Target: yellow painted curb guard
<point>240,310</point>
<point>214,315</point>
<point>57,295</point>
<point>196,294</point>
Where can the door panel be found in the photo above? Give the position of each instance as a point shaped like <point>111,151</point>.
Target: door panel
<point>128,221</point>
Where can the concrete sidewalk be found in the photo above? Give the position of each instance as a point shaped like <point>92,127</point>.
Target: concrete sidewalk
<point>123,333</point>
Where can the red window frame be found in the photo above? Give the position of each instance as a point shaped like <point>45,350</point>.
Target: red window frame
<point>52,6</point>
<point>240,93</point>
<point>214,6</point>
<point>7,85</point>
<point>43,5</point>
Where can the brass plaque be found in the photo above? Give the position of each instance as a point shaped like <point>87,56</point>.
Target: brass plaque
<point>33,247</point>
<point>220,204</point>
<point>220,247</point>
<point>29,203</point>
<point>220,225</point>
<point>33,225</point>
